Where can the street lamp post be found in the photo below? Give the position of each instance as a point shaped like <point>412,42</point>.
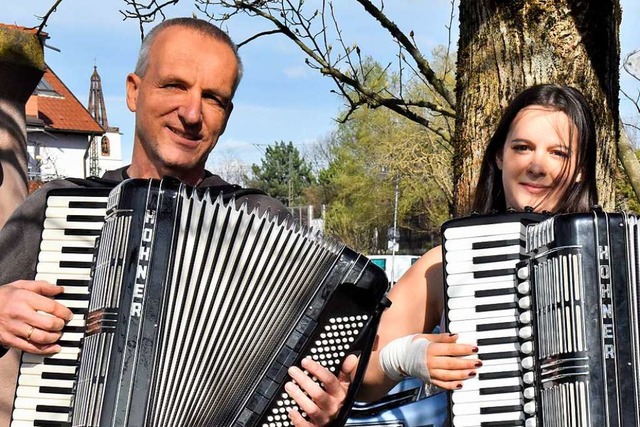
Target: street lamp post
<point>395,233</point>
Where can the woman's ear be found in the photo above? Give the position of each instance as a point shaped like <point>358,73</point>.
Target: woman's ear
<point>499,160</point>
<point>578,177</point>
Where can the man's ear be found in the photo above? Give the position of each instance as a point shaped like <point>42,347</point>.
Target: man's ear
<point>133,84</point>
<point>226,119</point>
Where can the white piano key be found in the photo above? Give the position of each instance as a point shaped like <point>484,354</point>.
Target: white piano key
<point>39,368</point>
<point>463,302</point>
<point>472,324</point>
<point>463,396</point>
<point>64,212</point>
<point>471,409</point>
<point>476,420</point>
<point>36,380</point>
<point>477,384</point>
<point>480,230</point>
<point>454,256</point>
<point>28,414</point>
<point>50,256</point>
<point>473,337</point>
<point>54,267</point>
<point>30,403</point>
<point>471,313</point>
<point>470,289</point>
<point>470,267</point>
<point>468,278</point>
<point>65,201</point>
<point>54,278</point>
<point>85,242</point>
<point>61,235</point>
<point>499,348</point>
<point>63,224</point>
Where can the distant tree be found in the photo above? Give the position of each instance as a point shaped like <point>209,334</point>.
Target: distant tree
<point>283,174</point>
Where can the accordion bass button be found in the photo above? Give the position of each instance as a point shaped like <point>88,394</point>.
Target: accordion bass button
<point>529,393</point>
<point>531,422</point>
<point>528,378</point>
<point>530,408</point>
<point>527,362</point>
<point>525,317</point>
<point>527,347</point>
<point>525,332</point>
<point>523,272</point>
<point>524,303</point>
<point>524,288</point>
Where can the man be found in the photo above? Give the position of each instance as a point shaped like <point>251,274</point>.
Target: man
<point>181,93</point>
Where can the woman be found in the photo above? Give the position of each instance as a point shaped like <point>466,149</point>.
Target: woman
<point>542,155</point>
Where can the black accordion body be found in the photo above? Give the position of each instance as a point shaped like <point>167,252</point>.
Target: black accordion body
<point>197,309</point>
<point>552,304</point>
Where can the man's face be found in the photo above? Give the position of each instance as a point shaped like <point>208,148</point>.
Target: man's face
<point>182,104</point>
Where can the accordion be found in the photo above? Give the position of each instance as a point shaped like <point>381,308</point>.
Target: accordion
<point>194,311</point>
<point>552,304</point>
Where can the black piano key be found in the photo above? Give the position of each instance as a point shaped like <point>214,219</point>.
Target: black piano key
<point>46,423</point>
<point>53,409</point>
<point>494,273</point>
<point>500,390</point>
<point>501,409</point>
<point>501,355</point>
<point>87,204</point>
<point>74,297</point>
<point>499,375</point>
<point>496,326</point>
<point>75,264</point>
<point>58,376</point>
<point>55,390</point>
<point>76,250</point>
<point>514,423</point>
<point>85,218</point>
<point>81,232</point>
<point>78,310</point>
<point>61,362</point>
<point>499,340</point>
<point>494,292</point>
<point>78,329</point>
<point>496,307</point>
<point>495,244</point>
<point>495,258</point>
<point>72,282</point>
<point>67,343</point>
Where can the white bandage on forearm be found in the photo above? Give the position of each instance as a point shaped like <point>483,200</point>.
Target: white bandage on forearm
<point>405,357</point>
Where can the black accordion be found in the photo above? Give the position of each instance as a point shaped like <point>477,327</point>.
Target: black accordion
<point>195,310</point>
<point>552,304</point>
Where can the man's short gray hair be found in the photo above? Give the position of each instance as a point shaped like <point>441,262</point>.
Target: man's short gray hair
<point>204,27</point>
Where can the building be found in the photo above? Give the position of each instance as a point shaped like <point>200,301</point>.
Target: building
<point>65,139</point>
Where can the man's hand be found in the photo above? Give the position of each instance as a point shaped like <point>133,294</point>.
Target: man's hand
<point>29,319</point>
<point>321,404</point>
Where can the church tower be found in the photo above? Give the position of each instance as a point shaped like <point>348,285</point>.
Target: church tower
<point>104,152</point>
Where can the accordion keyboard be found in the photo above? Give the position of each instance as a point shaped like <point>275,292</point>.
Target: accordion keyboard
<point>482,308</point>
<point>73,221</point>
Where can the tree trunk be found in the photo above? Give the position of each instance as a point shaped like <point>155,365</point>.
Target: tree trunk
<point>505,46</point>
<point>21,67</point>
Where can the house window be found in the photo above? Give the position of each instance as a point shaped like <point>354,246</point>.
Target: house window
<point>105,146</point>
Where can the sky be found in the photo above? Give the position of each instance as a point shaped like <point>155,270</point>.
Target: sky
<point>279,98</point>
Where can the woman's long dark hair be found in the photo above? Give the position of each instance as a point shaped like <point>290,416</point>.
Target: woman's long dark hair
<point>581,194</point>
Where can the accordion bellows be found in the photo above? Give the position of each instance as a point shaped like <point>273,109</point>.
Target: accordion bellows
<point>198,307</point>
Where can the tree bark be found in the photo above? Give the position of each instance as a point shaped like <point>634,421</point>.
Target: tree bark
<point>505,46</point>
<point>21,67</point>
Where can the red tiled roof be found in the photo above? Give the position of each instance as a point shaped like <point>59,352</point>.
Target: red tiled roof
<point>65,112</point>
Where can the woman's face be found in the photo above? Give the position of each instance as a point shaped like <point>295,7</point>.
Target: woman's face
<point>538,158</point>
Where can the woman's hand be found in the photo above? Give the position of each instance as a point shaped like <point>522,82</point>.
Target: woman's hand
<point>321,404</point>
<point>29,319</point>
<point>446,360</point>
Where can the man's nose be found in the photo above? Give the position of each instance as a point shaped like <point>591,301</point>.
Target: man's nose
<point>191,109</point>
